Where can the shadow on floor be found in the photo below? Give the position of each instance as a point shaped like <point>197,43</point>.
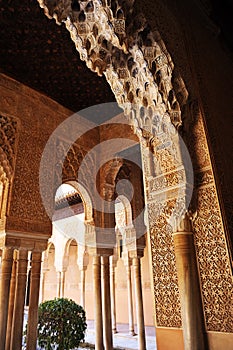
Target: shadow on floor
<point>122,339</point>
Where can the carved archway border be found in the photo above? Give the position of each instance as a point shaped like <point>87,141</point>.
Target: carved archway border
<point>86,199</point>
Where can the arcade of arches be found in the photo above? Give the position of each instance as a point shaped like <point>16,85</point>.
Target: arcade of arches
<point>135,212</point>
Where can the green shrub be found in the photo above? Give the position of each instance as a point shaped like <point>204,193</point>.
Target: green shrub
<point>62,322</point>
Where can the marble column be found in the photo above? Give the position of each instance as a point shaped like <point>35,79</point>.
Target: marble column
<point>98,303</point>
<point>139,303</point>
<point>107,322</point>
<point>82,283</point>
<point>33,301</point>
<point>62,289</point>
<point>44,269</point>
<point>11,301</point>
<point>20,289</point>
<point>113,296</point>
<point>58,284</point>
<point>42,285</point>
<point>7,261</point>
<point>191,306</point>
<point>130,299</point>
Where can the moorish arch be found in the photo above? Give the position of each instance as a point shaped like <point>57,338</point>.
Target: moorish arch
<point>114,40</point>
<point>111,42</point>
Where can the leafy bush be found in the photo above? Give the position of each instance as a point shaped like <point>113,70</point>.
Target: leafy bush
<point>62,322</point>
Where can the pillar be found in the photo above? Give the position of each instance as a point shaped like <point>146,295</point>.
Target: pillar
<point>44,269</point>
<point>98,303</point>
<point>58,284</point>
<point>7,260</point>
<point>107,322</point>
<point>191,306</point>
<point>113,296</point>
<point>11,301</point>
<point>33,301</point>
<point>139,303</point>
<point>62,289</point>
<point>82,282</point>
<point>20,289</point>
<point>42,285</point>
<point>130,299</point>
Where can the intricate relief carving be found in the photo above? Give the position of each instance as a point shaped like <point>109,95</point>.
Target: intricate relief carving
<point>163,182</point>
<point>8,143</point>
<point>214,262</point>
<point>167,306</point>
<point>68,161</point>
<point>197,143</point>
<point>204,178</point>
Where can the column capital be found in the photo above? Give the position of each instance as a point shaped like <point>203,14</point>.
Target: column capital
<point>23,240</point>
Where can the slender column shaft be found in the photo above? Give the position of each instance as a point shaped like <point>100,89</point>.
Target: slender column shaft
<point>130,300</point>
<point>21,279</point>
<point>11,301</point>
<point>98,303</point>
<point>58,284</point>
<point>82,296</point>
<point>33,301</point>
<point>139,304</point>
<point>106,304</point>
<point>42,285</point>
<point>191,308</point>
<point>62,290</point>
<point>0,261</point>
<point>113,296</point>
<point>7,260</point>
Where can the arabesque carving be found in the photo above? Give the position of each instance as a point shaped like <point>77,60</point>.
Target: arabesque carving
<point>8,143</point>
<point>167,306</point>
<point>68,161</point>
<point>214,262</point>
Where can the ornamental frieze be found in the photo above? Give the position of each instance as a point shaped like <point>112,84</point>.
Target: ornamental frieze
<point>167,180</point>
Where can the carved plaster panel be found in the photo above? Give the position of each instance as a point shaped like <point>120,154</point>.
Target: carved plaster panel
<point>167,304</point>
<point>214,262</point>
<point>8,143</point>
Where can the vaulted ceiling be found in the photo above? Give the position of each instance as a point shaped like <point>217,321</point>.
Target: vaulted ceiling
<point>40,54</point>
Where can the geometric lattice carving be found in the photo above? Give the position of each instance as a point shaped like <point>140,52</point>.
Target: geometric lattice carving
<point>167,306</point>
<point>214,262</point>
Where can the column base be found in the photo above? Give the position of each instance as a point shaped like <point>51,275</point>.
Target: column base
<point>132,333</point>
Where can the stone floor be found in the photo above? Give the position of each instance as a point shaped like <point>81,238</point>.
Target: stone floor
<point>122,339</point>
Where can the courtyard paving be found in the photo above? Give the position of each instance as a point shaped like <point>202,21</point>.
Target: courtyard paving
<point>123,340</point>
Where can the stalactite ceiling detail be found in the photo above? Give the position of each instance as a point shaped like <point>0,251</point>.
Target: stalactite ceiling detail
<point>115,41</point>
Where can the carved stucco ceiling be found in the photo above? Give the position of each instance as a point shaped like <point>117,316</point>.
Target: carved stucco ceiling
<point>40,54</point>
